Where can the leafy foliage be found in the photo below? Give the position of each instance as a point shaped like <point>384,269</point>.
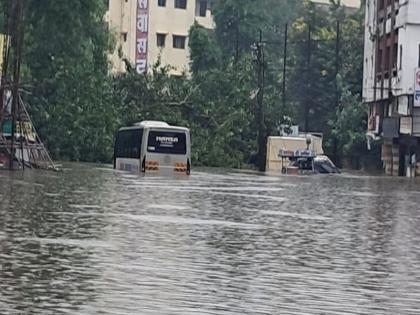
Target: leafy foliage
<point>77,105</point>
<point>218,115</point>
<point>204,52</point>
<point>66,62</point>
<point>349,123</point>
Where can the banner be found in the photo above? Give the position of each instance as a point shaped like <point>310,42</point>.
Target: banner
<point>142,32</point>
<point>417,89</point>
<point>23,128</point>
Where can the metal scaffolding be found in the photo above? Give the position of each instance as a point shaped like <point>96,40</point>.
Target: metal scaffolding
<point>20,145</point>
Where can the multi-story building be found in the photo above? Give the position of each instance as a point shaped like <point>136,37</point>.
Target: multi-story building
<point>391,83</point>
<point>147,30</point>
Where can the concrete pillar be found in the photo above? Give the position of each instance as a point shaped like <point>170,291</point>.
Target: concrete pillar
<point>386,155</point>
<point>395,159</point>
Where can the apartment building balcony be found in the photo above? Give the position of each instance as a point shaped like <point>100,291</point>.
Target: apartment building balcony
<point>387,74</point>
<point>385,8</point>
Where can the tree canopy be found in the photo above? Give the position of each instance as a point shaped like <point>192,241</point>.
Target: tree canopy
<point>77,104</point>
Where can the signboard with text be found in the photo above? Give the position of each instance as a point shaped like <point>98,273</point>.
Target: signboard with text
<point>142,31</point>
<point>406,125</point>
<point>417,89</point>
<point>23,128</point>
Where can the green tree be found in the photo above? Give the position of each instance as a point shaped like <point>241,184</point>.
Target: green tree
<point>204,52</point>
<point>238,23</point>
<point>215,104</point>
<point>77,105</point>
<point>348,126</point>
<point>66,62</point>
<point>316,63</point>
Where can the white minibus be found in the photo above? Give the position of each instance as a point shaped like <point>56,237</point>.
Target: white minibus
<point>153,146</point>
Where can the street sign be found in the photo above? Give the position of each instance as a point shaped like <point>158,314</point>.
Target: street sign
<point>417,97</point>
<point>417,89</point>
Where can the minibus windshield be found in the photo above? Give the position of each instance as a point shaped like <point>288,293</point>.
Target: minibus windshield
<point>167,142</point>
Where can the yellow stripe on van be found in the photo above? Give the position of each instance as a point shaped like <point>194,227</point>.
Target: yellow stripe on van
<point>152,166</point>
<point>181,167</point>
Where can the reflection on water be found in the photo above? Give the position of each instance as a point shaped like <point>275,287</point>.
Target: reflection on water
<point>93,241</point>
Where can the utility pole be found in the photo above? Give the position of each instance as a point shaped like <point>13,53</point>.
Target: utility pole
<point>285,64</point>
<point>16,16</point>
<point>337,88</point>
<point>260,120</point>
<point>308,79</point>
<point>337,63</point>
<point>237,41</point>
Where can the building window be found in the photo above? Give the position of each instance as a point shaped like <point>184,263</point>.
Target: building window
<point>162,3</point>
<point>124,37</point>
<point>179,42</point>
<point>201,7</point>
<point>419,55</point>
<point>401,56</point>
<point>180,4</point>
<point>387,56</point>
<point>379,61</point>
<point>160,40</point>
<point>395,57</point>
<point>381,4</point>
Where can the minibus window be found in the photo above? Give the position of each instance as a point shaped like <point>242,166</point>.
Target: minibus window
<point>167,142</point>
<point>128,144</point>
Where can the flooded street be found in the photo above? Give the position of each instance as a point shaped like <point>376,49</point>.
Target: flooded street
<point>90,240</point>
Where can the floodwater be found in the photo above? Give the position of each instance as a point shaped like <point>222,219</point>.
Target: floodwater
<point>89,240</point>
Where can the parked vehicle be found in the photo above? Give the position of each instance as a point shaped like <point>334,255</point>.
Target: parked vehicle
<point>302,162</point>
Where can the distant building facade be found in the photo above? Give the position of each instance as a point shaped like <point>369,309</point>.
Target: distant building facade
<point>351,5</point>
<point>147,30</point>
<point>391,83</point>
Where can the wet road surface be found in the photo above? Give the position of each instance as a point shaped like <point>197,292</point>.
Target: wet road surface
<point>90,240</point>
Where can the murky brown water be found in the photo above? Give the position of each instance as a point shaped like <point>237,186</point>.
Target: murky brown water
<point>93,241</point>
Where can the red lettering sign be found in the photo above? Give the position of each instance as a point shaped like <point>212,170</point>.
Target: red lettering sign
<point>142,31</point>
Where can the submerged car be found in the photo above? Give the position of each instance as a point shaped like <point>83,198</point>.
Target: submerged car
<point>302,162</point>
<point>323,165</point>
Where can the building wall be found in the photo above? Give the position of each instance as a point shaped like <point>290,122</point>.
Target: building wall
<point>409,40</point>
<point>409,22</point>
<point>166,20</point>
<point>369,51</point>
<point>347,3</point>
<point>392,54</point>
<point>407,26</point>
<point>121,17</point>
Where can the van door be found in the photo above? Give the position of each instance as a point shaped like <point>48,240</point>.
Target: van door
<point>167,151</point>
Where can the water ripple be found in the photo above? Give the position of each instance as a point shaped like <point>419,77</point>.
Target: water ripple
<point>93,241</point>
